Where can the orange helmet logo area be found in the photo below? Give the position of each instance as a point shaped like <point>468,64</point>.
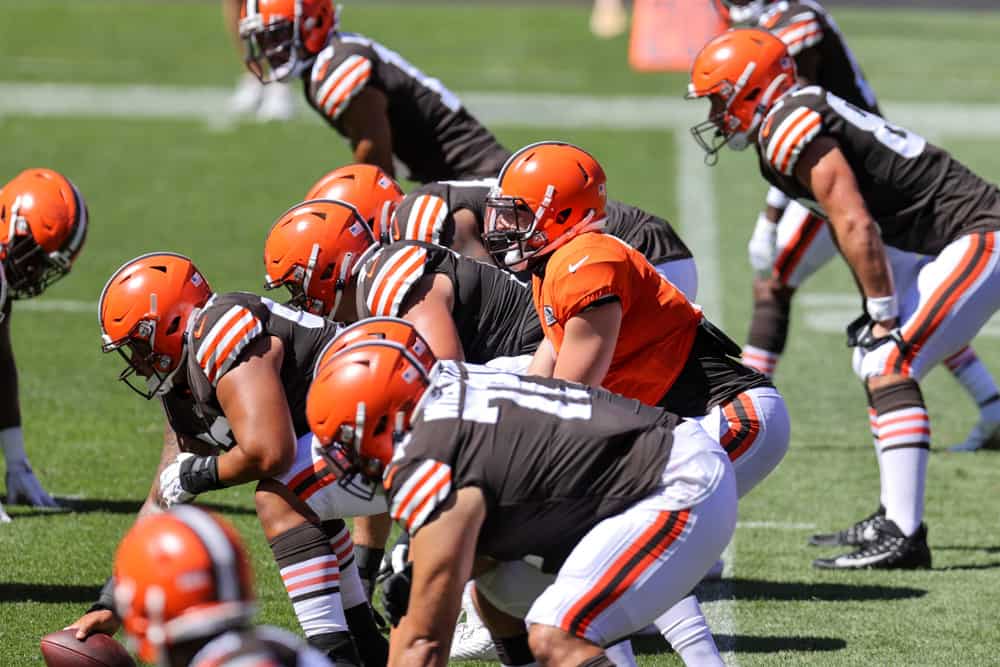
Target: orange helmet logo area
<point>43,225</point>
<point>314,249</point>
<point>181,575</point>
<point>144,312</point>
<point>743,73</point>
<point>546,194</point>
<point>394,329</point>
<point>367,188</point>
<point>360,403</point>
<point>280,37</point>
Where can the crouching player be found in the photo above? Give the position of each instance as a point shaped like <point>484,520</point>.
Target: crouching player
<point>628,505</point>
<point>232,371</point>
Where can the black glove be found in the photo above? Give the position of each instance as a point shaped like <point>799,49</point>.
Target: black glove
<point>859,334</point>
<point>396,593</point>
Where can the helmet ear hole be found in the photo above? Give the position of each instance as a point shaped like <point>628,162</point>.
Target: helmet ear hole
<point>563,216</point>
<point>381,425</point>
<point>328,271</point>
<point>175,324</point>
<point>753,95</point>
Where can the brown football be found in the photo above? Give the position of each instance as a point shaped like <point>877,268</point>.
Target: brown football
<point>63,649</point>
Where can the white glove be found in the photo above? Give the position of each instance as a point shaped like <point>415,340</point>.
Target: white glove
<point>23,488</point>
<point>763,245</point>
<point>171,491</point>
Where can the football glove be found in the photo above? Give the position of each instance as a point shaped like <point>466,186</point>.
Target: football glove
<point>188,476</point>
<point>394,578</point>
<point>859,334</point>
<point>172,491</point>
<point>763,245</point>
<point>23,488</point>
<point>396,593</point>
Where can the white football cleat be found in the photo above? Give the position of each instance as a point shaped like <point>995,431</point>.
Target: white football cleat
<point>276,103</point>
<point>472,641</point>
<point>983,436</point>
<point>3,516</point>
<point>247,95</point>
<point>23,488</point>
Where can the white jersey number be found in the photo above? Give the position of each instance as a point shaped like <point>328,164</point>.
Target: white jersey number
<point>896,139</point>
<point>485,387</point>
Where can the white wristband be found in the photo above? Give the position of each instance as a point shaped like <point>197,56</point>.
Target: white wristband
<point>882,308</point>
<point>776,198</point>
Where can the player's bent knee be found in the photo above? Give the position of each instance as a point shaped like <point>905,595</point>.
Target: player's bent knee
<point>277,510</point>
<point>553,646</point>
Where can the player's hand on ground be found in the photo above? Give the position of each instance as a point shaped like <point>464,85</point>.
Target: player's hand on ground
<point>762,247</point>
<point>101,621</point>
<point>172,492</point>
<point>23,488</point>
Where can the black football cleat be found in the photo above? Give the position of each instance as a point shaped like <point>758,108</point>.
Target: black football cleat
<point>891,550</point>
<point>859,534</point>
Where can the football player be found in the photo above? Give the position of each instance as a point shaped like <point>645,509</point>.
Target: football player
<point>43,225</point>
<point>790,242</point>
<point>876,184</point>
<point>232,371</point>
<point>634,505</point>
<point>452,214</point>
<point>611,320</point>
<point>327,256</point>
<point>383,105</point>
<point>184,591</point>
<point>374,193</point>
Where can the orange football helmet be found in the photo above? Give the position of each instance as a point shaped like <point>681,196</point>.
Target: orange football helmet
<point>43,224</point>
<point>393,329</point>
<point>743,72</point>
<point>314,249</point>
<point>546,194</point>
<point>280,37</point>
<point>384,381</point>
<point>144,311</point>
<point>181,575</point>
<point>367,188</point>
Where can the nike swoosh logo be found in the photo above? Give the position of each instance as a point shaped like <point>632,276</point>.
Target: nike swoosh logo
<point>574,267</point>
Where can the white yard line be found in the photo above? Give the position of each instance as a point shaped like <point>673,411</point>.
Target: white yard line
<point>507,109</point>
<point>700,230</point>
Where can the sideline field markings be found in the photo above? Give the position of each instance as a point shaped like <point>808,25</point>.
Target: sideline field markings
<point>699,228</point>
<point>539,110</point>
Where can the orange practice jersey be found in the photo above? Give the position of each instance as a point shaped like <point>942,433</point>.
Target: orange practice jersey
<point>658,322</point>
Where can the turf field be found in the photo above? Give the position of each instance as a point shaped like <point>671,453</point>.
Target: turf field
<point>212,189</point>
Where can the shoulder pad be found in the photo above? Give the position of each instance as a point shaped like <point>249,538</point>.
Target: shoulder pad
<point>340,72</point>
<point>424,217</point>
<point>787,130</point>
<point>416,489</point>
<point>221,332</point>
<point>799,28</point>
<point>388,276</point>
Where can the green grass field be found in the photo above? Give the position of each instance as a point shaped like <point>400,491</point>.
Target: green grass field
<point>212,193</point>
